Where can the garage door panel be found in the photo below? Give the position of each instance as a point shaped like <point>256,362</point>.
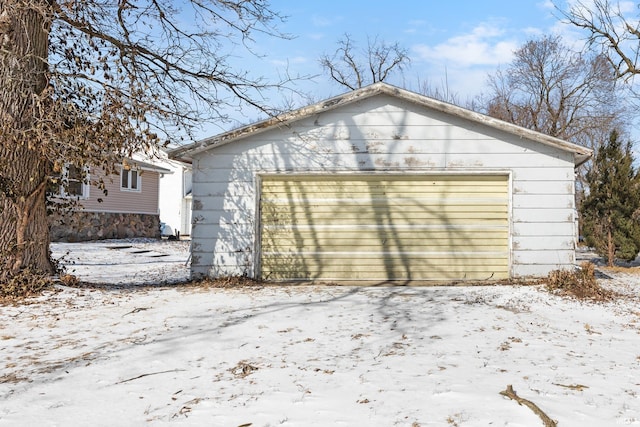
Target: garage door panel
<point>375,211</point>
<point>411,246</point>
<point>384,228</point>
<point>308,196</point>
<point>379,273</point>
<point>407,238</point>
<point>372,244</point>
<point>366,277</point>
<point>396,263</point>
<point>319,215</point>
<point>428,188</point>
<point>488,201</point>
<point>422,260</point>
<point>394,222</point>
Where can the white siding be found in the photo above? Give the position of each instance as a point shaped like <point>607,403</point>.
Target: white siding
<point>173,206</point>
<point>170,195</point>
<point>381,134</point>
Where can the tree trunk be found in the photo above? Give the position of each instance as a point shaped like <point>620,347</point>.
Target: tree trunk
<point>611,246</point>
<point>24,232</point>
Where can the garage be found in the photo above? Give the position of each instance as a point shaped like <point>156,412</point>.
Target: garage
<point>382,185</point>
<point>384,227</point>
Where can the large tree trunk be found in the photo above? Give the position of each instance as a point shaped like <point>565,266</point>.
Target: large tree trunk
<point>24,233</point>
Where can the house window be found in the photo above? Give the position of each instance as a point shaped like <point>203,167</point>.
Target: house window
<point>129,180</point>
<point>73,182</point>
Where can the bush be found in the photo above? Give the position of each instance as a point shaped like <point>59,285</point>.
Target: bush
<point>24,284</point>
<point>580,283</point>
<point>69,280</point>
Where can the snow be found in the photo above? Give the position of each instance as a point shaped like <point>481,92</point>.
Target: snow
<point>126,261</point>
<point>121,353</point>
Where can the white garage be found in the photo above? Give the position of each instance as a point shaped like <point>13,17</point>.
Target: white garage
<point>382,185</point>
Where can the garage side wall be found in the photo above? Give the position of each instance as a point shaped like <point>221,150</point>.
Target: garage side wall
<point>382,134</point>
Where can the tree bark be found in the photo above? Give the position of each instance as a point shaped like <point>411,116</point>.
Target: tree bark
<point>24,232</point>
<point>611,246</point>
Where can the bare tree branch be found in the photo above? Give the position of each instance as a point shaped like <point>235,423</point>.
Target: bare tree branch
<point>617,36</point>
<point>347,67</point>
<point>555,91</point>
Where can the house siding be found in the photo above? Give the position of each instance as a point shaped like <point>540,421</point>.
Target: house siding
<point>144,201</point>
<point>120,214</point>
<point>382,134</point>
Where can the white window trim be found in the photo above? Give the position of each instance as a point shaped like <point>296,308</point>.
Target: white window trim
<point>139,180</point>
<point>64,176</point>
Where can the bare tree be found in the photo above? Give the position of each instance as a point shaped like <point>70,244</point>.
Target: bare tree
<point>550,89</point>
<point>87,82</point>
<point>441,92</point>
<point>617,36</point>
<point>352,68</point>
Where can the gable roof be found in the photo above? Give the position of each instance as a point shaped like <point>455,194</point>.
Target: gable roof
<point>188,152</point>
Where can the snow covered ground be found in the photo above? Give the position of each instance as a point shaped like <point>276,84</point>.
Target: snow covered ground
<point>309,356</point>
<point>126,261</point>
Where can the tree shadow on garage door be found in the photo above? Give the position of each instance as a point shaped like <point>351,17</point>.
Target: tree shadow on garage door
<point>422,224</point>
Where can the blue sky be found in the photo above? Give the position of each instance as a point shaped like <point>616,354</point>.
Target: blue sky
<point>461,40</point>
<point>457,39</point>
<point>452,43</point>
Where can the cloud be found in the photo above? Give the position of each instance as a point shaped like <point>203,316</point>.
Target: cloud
<point>547,4</point>
<point>627,6</point>
<point>624,6</point>
<point>463,84</point>
<point>462,62</point>
<point>323,21</point>
<point>290,61</point>
<point>533,31</point>
<point>320,22</point>
<point>418,22</point>
<point>416,25</point>
<point>485,45</point>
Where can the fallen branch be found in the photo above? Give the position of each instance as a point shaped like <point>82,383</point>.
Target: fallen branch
<point>137,310</point>
<point>511,394</point>
<point>149,374</point>
<point>578,387</point>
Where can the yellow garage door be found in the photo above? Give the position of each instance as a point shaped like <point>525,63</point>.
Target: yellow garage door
<point>384,227</point>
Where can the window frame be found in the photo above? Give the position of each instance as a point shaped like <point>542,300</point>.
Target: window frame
<point>84,180</point>
<point>130,173</point>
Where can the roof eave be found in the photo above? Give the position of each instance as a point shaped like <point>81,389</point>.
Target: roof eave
<point>147,166</point>
<point>581,154</point>
<point>186,153</point>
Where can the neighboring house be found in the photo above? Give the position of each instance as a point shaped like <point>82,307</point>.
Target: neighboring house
<point>382,184</point>
<point>175,193</point>
<point>128,209</point>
